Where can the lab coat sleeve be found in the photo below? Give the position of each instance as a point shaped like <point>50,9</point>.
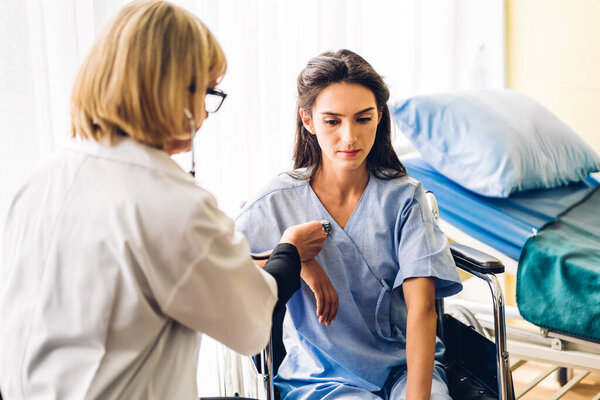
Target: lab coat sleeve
<point>221,292</point>
<point>284,265</point>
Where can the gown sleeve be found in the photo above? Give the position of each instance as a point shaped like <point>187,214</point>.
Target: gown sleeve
<point>423,249</point>
<point>258,223</point>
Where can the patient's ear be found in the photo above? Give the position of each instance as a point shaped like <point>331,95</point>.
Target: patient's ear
<point>307,121</point>
<point>379,117</point>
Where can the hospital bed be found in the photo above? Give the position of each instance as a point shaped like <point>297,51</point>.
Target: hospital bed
<point>502,227</point>
<point>477,363</point>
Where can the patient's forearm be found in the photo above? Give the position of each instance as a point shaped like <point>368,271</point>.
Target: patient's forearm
<point>421,320</point>
<point>420,352</point>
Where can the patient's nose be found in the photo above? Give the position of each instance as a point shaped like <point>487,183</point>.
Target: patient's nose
<point>349,134</point>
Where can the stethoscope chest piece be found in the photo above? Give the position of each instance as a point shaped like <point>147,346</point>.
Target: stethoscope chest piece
<point>326,226</point>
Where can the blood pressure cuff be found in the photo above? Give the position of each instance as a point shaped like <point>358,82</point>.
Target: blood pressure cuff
<point>284,265</point>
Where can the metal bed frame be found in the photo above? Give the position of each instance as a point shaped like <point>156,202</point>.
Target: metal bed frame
<point>528,342</point>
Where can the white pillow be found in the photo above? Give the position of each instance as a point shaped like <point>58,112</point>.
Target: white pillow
<point>494,142</point>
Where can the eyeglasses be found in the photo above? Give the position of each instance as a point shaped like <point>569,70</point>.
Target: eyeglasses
<point>214,99</point>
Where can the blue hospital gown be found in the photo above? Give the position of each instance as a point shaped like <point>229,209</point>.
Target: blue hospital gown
<point>391,236</point>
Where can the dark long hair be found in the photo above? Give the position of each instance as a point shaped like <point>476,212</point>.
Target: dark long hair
<point>348,67</point>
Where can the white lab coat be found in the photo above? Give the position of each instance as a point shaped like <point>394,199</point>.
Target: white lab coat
<point>112,260</point>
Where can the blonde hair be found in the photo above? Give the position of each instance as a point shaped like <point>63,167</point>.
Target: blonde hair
<point>138,75</point>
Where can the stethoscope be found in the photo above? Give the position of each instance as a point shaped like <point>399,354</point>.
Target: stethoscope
<point>192,123</point>
<point>325,225</point>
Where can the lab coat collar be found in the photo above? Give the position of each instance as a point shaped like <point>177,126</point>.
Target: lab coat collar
<point>130,151</point>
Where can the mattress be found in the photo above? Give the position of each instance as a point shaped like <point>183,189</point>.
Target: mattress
<point>554,234</point>
<point>504,224</point>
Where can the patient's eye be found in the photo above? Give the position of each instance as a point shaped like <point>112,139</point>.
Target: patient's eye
<point>331,122</point>
<point>364,120</point>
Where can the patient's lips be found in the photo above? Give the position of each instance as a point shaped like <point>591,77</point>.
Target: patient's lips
<point>349,153</point>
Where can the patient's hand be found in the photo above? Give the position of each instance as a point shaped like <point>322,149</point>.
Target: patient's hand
<point>318,281</point>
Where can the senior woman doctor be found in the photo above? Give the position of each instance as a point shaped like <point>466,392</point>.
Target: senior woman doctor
<point>113,258</point>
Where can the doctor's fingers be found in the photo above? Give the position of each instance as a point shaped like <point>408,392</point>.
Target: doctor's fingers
<point>312,238</point>
<point>314,241</point>
<point>310,250</point>
<point>308,238</point>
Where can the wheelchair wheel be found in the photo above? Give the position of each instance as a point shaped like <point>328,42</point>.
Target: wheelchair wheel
<point>465,316</point>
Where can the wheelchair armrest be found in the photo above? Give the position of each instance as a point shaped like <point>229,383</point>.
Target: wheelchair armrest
<point>469,259</point>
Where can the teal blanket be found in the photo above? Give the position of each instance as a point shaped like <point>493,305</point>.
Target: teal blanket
<point>558,278</point>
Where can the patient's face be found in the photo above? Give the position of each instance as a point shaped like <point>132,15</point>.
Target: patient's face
<point>344,119</point>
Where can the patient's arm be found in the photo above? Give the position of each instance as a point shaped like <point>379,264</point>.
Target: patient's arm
<point>327,299</point>
<point>312,273</point>
<point>419,294</point>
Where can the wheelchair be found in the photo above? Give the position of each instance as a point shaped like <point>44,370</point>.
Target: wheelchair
<point>477,368</point>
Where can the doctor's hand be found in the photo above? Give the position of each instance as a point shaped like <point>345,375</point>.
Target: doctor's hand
<point>327,299</point>
<point>308,238</point>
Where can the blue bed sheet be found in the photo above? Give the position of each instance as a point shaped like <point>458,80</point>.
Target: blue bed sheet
<point>504,224</point>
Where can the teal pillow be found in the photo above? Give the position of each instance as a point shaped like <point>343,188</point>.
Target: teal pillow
<point>494,142</point>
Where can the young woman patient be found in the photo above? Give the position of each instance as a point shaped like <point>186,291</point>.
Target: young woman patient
<point>386,260</point>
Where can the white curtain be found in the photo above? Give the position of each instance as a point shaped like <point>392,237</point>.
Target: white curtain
<point>419,46</point>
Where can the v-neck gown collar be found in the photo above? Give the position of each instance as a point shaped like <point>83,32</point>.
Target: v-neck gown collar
<point>354,226</point>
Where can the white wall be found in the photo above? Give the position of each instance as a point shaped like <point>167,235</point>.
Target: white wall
<point>553,55</point>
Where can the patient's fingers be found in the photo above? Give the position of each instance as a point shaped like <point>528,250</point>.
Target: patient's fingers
<point>319,296</point>
<point>334,306</point>
<point>326,305</point>
<point>325,295</point>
